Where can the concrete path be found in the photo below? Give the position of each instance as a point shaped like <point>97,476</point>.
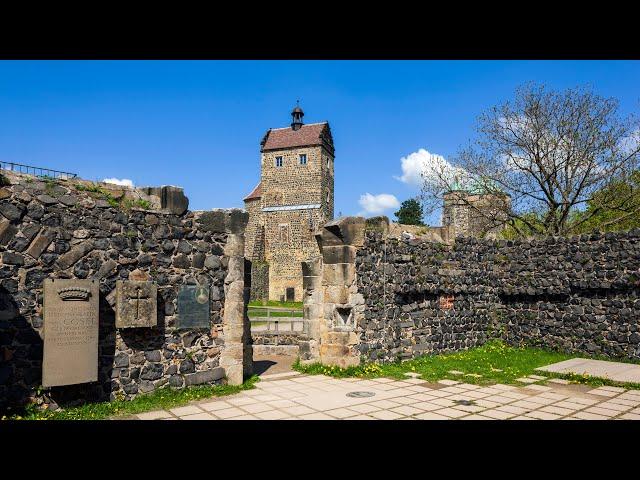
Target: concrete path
<point>290,396</point>
<point>620,372</point>
<point>270,364</point>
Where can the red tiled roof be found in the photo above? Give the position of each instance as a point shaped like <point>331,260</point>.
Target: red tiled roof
<point>255,194</point>
<point>312,134</point>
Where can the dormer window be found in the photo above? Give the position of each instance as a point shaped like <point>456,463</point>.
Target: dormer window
<point>279,161</point>
<point>303,159</point>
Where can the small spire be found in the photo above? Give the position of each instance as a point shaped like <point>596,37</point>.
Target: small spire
<point>297,115</point>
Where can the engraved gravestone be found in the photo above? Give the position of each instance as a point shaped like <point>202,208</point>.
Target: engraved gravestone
<point>193,307</point>
<point>71,312</point>
<point>136,304</point>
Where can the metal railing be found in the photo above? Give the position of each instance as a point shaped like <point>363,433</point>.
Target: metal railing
<point>275,321</point>
<point>36,171</point>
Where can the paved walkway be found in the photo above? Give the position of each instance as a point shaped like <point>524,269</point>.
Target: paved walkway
<point>271,364</point>
<point>620,372</point>
<point>290,396</point>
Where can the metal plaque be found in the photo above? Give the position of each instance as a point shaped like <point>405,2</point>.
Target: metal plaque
<point>71,310</point>
<point>136,304</point>
<point>193,307</point>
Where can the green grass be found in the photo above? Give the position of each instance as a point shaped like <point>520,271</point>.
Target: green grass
<point>275,303</point>
<point>254,312</point>
<point>513,363</point>
<point>161,399</point>
<point>125,204</point>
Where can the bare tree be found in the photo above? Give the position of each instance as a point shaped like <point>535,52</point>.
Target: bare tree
<point>545,154</point>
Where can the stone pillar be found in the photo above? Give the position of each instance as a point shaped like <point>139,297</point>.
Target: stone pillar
<point>313,310</point>
<point>237,350</point>
<point>342,305</point>
<point>247,340</point>
<point>232,355</point>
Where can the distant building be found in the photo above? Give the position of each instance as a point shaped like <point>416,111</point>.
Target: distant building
<point>473,214</point>
<point>292,200</point>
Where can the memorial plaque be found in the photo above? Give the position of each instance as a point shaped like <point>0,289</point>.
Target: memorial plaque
<point>70,332</point>
<point>193,307</point>
<point>136,304</point>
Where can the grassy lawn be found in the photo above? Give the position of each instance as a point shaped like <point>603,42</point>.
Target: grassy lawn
<point>254,312</point>
<point>275,303</point>
<point>495,361</point>
<point>161,399</point>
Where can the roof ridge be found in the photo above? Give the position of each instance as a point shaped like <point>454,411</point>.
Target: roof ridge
<point>303,125</point>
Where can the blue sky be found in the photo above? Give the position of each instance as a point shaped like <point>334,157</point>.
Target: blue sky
<point>198,124</point>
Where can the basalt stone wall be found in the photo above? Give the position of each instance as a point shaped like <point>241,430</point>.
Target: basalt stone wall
<point>55,229</point>
<point>285,337</point>
<point>578,294</point>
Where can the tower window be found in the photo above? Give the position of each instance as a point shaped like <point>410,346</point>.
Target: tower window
<point>303,159</point>
<point>278,161</point>
<point>283,233</point>
<point>328,162</point>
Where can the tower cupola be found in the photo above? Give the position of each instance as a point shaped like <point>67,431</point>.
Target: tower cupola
<point>297,115</point>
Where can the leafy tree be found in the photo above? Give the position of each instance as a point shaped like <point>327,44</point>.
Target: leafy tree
<point>622,211</point>
<point>560,157</point>
<point>410,212</point>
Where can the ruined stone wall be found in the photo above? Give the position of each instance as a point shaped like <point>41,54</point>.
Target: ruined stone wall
<point>69,229</point>
<point>469,215</point>
<point>579,294</point>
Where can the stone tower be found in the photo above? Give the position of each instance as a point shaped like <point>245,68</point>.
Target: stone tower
<point>293,199</point>
<point>474,214</point>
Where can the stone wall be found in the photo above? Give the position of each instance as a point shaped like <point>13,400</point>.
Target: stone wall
<point>375,297</point>
<point>76,229</point>
<point>578,294</point>
<point>272,343</point>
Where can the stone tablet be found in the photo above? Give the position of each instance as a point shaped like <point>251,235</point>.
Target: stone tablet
<point>70,332</point>
<point>136,304</point>
<point>193,307</point>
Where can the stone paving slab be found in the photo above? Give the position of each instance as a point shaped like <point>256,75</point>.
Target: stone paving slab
<point>309,397</point>
<point>617,371</point>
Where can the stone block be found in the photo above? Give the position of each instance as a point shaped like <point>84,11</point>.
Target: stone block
<point>335,294</point>
<point>76,253</point>
<point>312,268</point>
<point>341,338</point>
<point>343,231</point>
<point>333,350</point>
<point>10,258</point>
<point>7,231</point>
<point>311,283</point>
<point>339,274</point>
<point>12,212</point>
<point>40,243</point>
<point>379,224</point>
<point>206,376</point>
<point>136,304</point>
<point>224,221</point>
<point>338,254</point>
<point>171,198</point>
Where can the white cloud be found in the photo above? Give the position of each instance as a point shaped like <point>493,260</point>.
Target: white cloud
<point>422,166</point>
<point>373,204</point>
<point>630,143</point>
<point>125,182</point>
